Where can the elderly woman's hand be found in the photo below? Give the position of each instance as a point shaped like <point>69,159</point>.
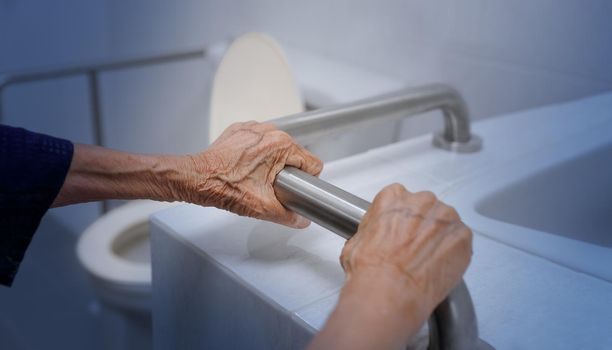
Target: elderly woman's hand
<point>414,237</point>
<point>409,252</point>
<point>235,173</point>
<point>238,170</point>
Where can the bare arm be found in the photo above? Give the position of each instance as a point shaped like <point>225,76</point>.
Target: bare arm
<point>235,173</point>
<point>409,252</point>
<point>98,173</point>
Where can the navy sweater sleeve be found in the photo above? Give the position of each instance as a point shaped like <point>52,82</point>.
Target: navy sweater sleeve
<point>32,171</point>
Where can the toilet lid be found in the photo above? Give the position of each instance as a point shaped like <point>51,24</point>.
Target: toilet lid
<point>252,82</point>
<point>100,244</point>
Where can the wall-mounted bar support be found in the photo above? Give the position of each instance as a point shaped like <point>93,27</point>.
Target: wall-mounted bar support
<point>454,320</point>
<point>455,137</point>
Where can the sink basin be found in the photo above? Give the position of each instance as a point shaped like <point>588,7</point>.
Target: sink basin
<point>554,202</point>
<point>572,199</point>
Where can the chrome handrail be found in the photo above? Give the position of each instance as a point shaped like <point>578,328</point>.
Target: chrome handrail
<point>456,136</point>
<point>453,324</point>
<point>454,320</point>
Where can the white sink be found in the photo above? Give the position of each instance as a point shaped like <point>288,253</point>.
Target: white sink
<point>572,199</point>
<point>555,202</point>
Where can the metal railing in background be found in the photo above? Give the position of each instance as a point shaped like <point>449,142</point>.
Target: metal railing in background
<point>92,71</point>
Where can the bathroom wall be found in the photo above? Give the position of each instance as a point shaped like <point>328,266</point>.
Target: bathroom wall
<point>503,56</point>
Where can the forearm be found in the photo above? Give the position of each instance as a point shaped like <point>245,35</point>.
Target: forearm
<point>376,311</point>
<point>97,173</point>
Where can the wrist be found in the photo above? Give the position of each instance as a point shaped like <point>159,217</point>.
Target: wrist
<point>389,296</point>
<point>171,177</point>
<point>188,178</point>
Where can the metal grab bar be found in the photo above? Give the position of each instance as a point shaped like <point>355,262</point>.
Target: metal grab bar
<point>456,136</point>
<point>91,71</point>
<point>454,320</point>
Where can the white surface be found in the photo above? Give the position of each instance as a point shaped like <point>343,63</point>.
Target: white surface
<point>253,82</point>
<point>502,56</point>
<point>96,251</point>
<point>522,300</point>
<point>160,108</point>
<point>576,200</point>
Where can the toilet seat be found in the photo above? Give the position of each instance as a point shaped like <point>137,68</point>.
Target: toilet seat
<point>95,247</point>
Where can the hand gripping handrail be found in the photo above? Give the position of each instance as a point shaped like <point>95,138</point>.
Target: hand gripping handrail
<point>453,324</point>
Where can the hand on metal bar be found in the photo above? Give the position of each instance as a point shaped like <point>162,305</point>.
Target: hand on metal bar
<point>408,252</point>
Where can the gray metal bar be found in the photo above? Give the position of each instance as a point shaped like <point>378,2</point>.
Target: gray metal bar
<point>96,116</point>
<point>78,69</point>
<point>390,107</point>
<point>320,201</point>
<point>94,103</point>
<point>7,80</point>
<point>341,212</point>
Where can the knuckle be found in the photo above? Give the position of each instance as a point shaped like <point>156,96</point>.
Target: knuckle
<point>463,234</point>
<point>280,135</point>
<point>451,213</point>
<point>393,190</point>
<point>346,252</point>
<point>467,234</point>
<point>426,196</point>
<point>235,126</point>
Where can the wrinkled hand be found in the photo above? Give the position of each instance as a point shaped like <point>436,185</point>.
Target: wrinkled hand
<point>416,240</point>
<point>238,170</point>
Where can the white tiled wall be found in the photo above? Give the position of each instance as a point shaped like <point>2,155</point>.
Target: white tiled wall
<point>503,56</point>
<point>157,109</point>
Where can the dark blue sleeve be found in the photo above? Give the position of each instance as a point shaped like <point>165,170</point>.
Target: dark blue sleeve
<point>32,171</point>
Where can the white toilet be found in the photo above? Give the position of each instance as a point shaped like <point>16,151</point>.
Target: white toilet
<point>115,252</point>
<point>115,249</point>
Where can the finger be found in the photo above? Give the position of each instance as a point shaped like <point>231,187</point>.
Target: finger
<point>420,202</point>
<point>263,127</point>
<point>302,159</point>
<point>294,220</point>
<point>346,253</point>
<point>267,126</point>
<point>285,216</point>
<point>388,197</point>
<point>444,212</point>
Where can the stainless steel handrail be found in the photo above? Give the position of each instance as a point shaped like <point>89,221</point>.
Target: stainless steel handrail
<point>99,66</point>
<point>92,70</point>
<point>456,136</point>
<point>453,324</point>
<point>339,211</point>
